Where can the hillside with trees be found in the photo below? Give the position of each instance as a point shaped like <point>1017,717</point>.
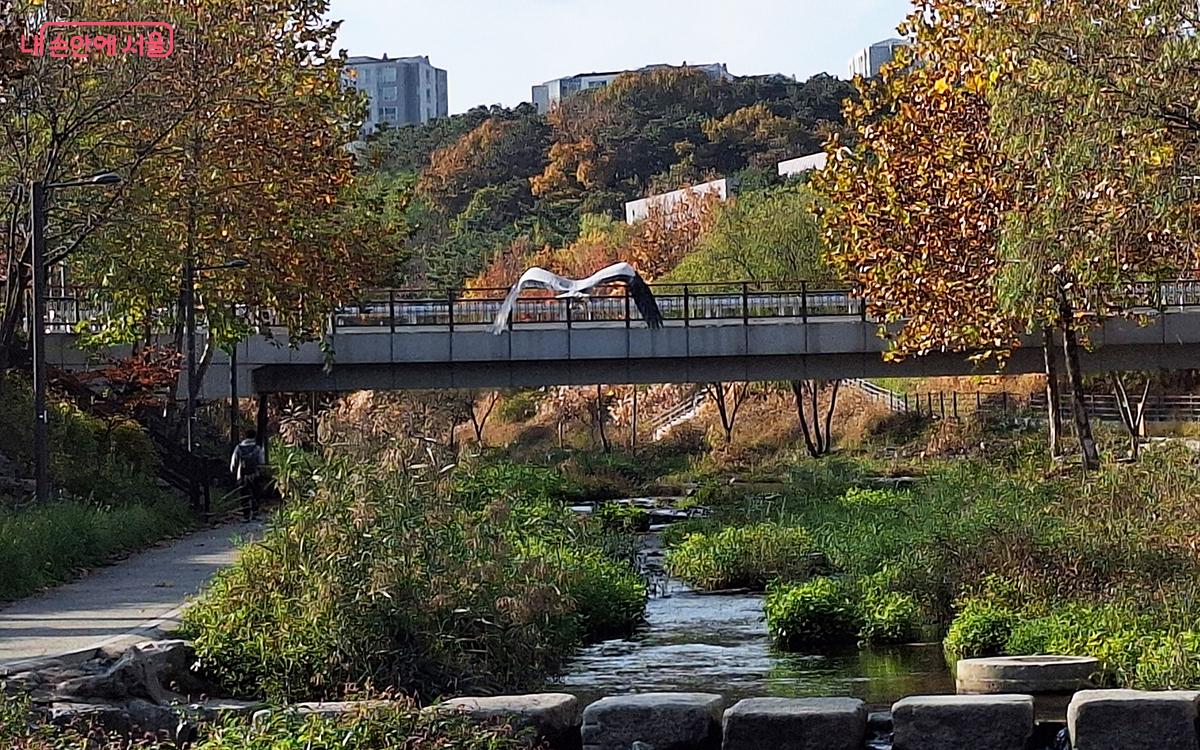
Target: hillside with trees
<point>497,182</point>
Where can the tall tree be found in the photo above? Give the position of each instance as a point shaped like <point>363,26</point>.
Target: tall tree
<point>62,118</point>
<point>771,235</point>
<point>258,174</point>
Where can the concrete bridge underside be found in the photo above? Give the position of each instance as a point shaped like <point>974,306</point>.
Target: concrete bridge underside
<point>614,353</point>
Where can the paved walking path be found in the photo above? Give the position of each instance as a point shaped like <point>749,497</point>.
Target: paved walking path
<point>134,600</point>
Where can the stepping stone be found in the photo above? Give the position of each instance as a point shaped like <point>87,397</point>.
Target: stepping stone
<point>551,717</point>
<point>957,722</point>
<point>1133,720</point>
<point>796,724</point>
<point>662,721</point>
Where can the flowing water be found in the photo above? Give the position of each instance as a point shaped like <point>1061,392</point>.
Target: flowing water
<point>695,642</point>
<point>719,644</point>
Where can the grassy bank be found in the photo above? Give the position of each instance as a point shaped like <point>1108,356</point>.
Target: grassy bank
<point>985,548</point>
<point>431,582</point>
<point>108,502</point>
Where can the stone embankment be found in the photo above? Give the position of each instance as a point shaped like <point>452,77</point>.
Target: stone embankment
<point>152,687</point>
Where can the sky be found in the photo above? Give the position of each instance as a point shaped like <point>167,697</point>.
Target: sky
<point>495,50</point>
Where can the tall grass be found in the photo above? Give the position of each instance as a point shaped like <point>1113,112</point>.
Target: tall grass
<point>379,576</point>
<point>110,501</point>
<point>41,546</point>
<point>384,726</point>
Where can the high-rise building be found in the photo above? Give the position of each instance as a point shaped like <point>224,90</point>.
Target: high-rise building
<point>546,95</point>
<point>402,90</point>
<point>871,60</point>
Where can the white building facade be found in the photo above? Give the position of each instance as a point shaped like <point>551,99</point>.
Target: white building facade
<point>639,210</point>
<point>871,60</point>
<point>402,90</point>
<point>550,93</point>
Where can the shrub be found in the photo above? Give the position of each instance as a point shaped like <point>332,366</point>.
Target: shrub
<point>887,616</point>
<point>817,612</point>
<point>982,628</point>
<point>479,485</point>
<point>864,497</point>
<point>744,557</point>
<point>519,406</point>
<point>624,517</point>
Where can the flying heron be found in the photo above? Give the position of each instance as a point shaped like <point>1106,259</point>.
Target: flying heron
<point>579,289</point>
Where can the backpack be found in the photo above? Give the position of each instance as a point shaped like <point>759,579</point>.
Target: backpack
<point>248,457</point>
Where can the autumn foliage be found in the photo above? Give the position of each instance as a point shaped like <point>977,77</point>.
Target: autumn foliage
<point>916,207</point>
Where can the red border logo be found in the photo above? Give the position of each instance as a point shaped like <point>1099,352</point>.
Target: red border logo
<point>69,39</point>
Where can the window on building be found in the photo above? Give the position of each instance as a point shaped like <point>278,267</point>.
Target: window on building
<point>389,93</point>
<point>388,75</point>
<point>389,113</point>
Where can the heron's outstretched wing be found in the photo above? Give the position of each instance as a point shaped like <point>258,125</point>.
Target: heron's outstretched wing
<point>622,272</point>
<point>638,289</point>
<point>533,277</point>
<point>646,304</point>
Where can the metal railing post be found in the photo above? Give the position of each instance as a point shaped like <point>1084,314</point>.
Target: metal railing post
<point>567,302</point>
<point>627,321</point>
<point>687,307</point>
<point>450,308</point>
<point>804,302</point>
<point>392,311</point>
<point>745,303</point>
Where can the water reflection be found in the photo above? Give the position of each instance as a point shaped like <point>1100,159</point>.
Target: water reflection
<point>719,644</point>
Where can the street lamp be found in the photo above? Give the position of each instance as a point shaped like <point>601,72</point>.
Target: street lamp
<point>41,422</point>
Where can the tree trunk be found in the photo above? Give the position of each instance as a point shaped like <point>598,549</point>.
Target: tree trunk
<point>798,390</point>
<point>479,422</point>
<point>633,431</point>
<point>1133,419</point>
<point>717,391</point>
<point>817,431</point>
<point>604,444</point>
<point>1053,414</point>
<point>1079,413</point>
<point>837,385</point>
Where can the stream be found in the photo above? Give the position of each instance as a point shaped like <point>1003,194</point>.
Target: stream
<point>694,642</point>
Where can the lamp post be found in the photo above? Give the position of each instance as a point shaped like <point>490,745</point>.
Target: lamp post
<point>41,421</point>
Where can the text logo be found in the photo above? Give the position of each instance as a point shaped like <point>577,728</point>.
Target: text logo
<point>81,39</point>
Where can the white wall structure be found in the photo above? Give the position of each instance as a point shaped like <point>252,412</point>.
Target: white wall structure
<point>546,95</point>
<point>868,62</point>
<point>639,210</point>
<point>402,90</point>
<point>810,163</point>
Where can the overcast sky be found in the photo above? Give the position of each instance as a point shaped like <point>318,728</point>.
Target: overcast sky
<point>495,50</point>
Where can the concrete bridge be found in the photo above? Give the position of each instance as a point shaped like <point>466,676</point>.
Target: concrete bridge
<point>733,332</point>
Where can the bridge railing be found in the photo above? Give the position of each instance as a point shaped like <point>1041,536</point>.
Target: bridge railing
<point>676,302</point>
<point>685,304</point>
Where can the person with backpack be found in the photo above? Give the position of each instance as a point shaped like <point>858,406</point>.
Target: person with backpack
<point>246,465</point>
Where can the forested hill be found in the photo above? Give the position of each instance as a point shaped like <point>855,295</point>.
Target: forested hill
<point>475,184</point>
